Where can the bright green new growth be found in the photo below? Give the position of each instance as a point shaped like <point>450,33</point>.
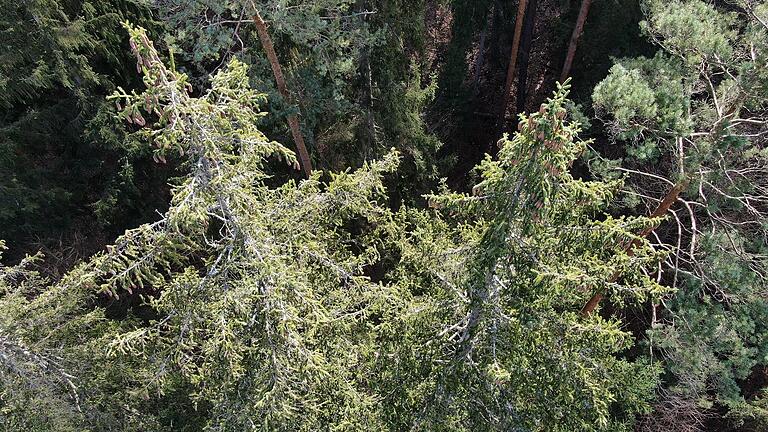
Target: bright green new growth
<point>268,325</point>
<point>539,254</point>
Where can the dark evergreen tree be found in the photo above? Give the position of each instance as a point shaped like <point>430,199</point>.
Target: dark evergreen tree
<point>67,170</point>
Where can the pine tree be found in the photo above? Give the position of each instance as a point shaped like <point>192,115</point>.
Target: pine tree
<point>574,41</point>
<point>693,118</point>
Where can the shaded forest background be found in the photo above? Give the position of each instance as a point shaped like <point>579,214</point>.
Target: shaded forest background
<point>75,181</point>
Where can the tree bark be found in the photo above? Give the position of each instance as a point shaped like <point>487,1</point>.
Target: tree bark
<point>525,44</point>
<point>572,45</point>
<point>277,70</point>
<point>512,61</point>
<point>660,211</point>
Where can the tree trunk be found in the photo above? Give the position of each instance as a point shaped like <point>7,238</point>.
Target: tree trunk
<point>583,12</point>
<point>525,44</point>
<point>660,211</point>
<point>512,62</point>
<point>480,55</point>
<point>293,120</point>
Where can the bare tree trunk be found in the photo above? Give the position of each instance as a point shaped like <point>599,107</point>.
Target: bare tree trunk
<point>512,62</point>
<point>480,55</point>
<point>293,120</point>
<point>526,41</point>
<point>583,12</point>
<point>367,76</point>
<point>660,211</point>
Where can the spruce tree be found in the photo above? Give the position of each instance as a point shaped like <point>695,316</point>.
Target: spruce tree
<point>68,173</point>
<point>312,305</point>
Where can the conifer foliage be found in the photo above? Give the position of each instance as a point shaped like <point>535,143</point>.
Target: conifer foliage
<point>65,166</point>
<point>266,307</point>
<point>564,284</point>
<point>694,119</point>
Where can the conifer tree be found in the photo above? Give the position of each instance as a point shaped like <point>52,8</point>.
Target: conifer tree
<point>693,118</point>
<point>573,43</point>
<point>512,344</point>
<point>512,68</point>
<point>317,44</point>
<point>352,67</point>
<point>310,306</point>
<point>66,168</point>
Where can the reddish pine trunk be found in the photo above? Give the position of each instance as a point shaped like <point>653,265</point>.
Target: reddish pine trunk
<point>293,120</point>
<point>583,12</point>
<point>526,42</point>
<point>512,61</point>
<point>660,211</point>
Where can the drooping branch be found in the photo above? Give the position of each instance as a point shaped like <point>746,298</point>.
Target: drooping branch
<point>277,70</point>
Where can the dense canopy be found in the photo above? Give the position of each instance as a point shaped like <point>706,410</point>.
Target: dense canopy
<point>384,215</point>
